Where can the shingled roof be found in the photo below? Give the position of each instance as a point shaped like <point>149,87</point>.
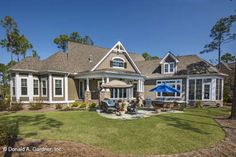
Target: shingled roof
<point>78,58</point>
<point>190,64</point>
<point>82,58</point>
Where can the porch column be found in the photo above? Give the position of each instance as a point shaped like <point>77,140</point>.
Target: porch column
<point>66,88</point>
<point>187,89</point>
<point>87,84</point>
<point>213,89</point>
<point>140,93</point>
<point>17,87</point>
<point>108,80</point>
<point>103,81</point>
<point>87,94</point>
<point>222,90</point>
<point>138,86</point>
<point>50,88</point>
<point>30,87</point>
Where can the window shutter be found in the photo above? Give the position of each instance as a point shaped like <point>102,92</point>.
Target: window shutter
<point>125,65</point>
<point>111,62</point>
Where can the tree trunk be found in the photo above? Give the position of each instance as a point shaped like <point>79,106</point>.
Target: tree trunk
<point>18,58</point>
<point>233,110</point>
<point>219,52</point>
<point>11,56</point>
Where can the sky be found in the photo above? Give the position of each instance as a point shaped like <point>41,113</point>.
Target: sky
<point>153,26</point>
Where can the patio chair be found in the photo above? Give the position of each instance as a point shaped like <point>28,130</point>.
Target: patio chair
<point>107,105</point>
<point>132,109</point>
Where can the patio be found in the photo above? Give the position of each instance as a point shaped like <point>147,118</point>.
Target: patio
<point>139,114</point>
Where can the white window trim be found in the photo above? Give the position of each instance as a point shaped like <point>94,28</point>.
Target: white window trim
<point>210,83</point>
<point>174,68</point>
<point>54,87</point>
<point>181,88</point>
<point>210,91</point>
<point>118,93</point>
<point>44,79</point>
<point>13,84</point>
<point>27,81</point>
<point>116,66</point>
<point>38,86</point>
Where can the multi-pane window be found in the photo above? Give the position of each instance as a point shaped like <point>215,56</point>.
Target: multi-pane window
<point>169,67</point>
<point>36,87</point>
<point>118,62</point>
<point>13,86</point>
<point>191,89</point>
<point>58,87</point>
<point>218,89</point>
<point>199,89</point>
<point>24,86</point>
<point>44,87</point>
<point>177,84</point>
<point>119,92</point>
<point>166,68</point>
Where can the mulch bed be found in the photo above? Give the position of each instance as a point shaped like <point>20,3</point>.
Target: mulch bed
<point>226,147</point>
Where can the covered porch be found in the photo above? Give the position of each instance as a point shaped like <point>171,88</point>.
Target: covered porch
<point>91,83</point>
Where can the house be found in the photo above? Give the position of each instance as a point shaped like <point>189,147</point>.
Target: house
<point>78,74</point>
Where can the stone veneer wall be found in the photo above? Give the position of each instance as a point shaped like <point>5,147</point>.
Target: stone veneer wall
<point>140,98</point>
<point>104,94</point>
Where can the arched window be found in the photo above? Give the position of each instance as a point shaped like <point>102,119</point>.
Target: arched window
<point>118,62</point>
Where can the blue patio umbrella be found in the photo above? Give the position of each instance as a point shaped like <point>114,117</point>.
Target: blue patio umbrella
<point>164,88</point>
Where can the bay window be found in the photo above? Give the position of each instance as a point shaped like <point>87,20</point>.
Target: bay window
<point>13,86</point>
<point>44,87</point>
<point>58,87</point>
<point>24,87</point>
<point>219,89</point>
<point>36,86</point>
<point>122,93</point>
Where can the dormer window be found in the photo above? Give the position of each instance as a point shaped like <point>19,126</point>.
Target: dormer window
<point>169,67</point>
<point>169,63</point>
<point>118,62</point>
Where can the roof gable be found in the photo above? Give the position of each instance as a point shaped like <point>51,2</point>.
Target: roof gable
<point>119,48</point>
<point>168,56</point>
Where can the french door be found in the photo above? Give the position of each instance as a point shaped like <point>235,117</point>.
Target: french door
<point>207,91</point>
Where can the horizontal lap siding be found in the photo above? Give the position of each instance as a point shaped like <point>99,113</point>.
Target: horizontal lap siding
<point>73,89</point>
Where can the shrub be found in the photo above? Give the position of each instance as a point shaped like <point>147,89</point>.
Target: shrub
<point>198,104</point>
<point>67,108</point>
<point>92,106</point>
<point>4,105</point>
<point>8,133</point>
<point>75,104</point>
<point>16,107</point>
<point>58,106</point>
<point>36,106</point>
<point>227,98</point>
<point>182,106</point>
<point>83,105</point>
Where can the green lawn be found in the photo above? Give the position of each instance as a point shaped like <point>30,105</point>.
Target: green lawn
<point>162,134</point>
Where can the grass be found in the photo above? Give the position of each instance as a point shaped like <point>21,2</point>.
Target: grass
<point>162,134</point>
